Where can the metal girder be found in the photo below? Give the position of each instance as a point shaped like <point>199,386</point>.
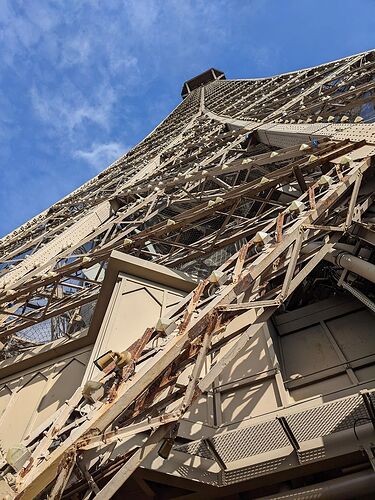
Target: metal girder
<point>206,192</point>
<point>39,476</point>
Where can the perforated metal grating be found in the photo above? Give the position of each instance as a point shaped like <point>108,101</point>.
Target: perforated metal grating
<point>322,420</point>
<point>246,473</point>
<point>314,454</point>
<point>242,443</point>
<point>327,419</point>
<point>250,441</point>
<point>196,448</point>
<point>204,476</point>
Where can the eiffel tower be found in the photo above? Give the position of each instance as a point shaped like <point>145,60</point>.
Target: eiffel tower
<point>197,321</point>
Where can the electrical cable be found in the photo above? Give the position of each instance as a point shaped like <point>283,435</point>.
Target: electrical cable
<point>355,423</point>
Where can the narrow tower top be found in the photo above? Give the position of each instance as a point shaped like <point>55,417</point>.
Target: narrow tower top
<point>206,77</point>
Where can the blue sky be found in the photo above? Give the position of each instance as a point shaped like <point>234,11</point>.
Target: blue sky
<point>83,81</point>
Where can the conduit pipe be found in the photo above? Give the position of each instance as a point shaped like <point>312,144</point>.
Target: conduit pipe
<point>341,256</point>
<point>341,488</point>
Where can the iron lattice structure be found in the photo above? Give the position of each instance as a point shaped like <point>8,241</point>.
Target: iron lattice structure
<point>246,186</point>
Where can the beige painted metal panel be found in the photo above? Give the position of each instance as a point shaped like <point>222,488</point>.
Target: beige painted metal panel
<point>200,411</point>
<point>247,387</point>
<point>63,384</point>
<point>307,351</point>
<point>140,304</point>
<point>137,303</point>
<point>252,360</point>
<point>355,333</point>
<point>5,394</point>
<point>329,348</point>
<point>22,410</point>
<point>366,373</point>
<point>325,386</point>
<point>29,398</point>
<point>251,401</point>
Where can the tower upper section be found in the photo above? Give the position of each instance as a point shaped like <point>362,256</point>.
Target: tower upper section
<point>206,77</point>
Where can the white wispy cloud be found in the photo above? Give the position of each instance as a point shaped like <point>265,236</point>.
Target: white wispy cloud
<point>67,110</point>
<point>143,15</point>
<point>100,156</point>
<point>77,50</point>
<point>22,28</point>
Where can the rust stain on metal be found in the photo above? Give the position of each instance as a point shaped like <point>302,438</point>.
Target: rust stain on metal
<point>312,197</point>
<point>279,227</point>
<point>192,306</point>
<point>192,185</point>
<point>136,350</point>
<point>26,469</point>
<point>240,262</point>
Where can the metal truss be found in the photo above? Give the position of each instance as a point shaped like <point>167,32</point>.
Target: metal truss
<point>210,190</point>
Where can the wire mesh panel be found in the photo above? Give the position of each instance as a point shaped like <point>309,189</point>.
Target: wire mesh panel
<point>63,325</point>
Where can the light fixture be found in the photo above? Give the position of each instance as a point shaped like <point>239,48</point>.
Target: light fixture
<point>325,180</point>
<point>110,360</point>
<point>261,238</point>
<point>217,277</point>
<point>168,442</point>
<point>345,160</point>
<point>312,158</point>
<point>17,456</point>
<point>297,206</point>
<point>163,324</point>
<point>93,391</point>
